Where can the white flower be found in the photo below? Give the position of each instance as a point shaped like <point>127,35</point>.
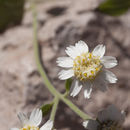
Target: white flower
<point>87,68</point>
<point>33,121</point>
<point>108,119</point>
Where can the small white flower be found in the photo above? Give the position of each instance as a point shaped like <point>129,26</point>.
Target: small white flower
<point>33,121</point>
<point>87,68</point>
<point>108,119</point>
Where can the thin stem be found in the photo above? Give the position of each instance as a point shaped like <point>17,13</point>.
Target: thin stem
<point>54,108</point>
<point>37,57</point>
<point>47,83</point>
<point>66,94</point>
<point>83,115</point>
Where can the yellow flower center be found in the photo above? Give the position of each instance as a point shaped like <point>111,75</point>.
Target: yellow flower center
<point>86,66</point>
<point>30,128</point>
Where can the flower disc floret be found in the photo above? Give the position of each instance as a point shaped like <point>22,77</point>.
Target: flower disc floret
<point>30,128</point>
<point>110,118</point>
<point>33,122</point>
<point>88,69</point>
<point>86,66</point>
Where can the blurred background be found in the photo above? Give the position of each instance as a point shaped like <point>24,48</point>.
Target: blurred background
<point>60,23</point>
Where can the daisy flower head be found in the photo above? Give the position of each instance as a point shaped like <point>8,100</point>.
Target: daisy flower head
<point>87,68</point>
<point>33,122</point>
<point>108,119</point>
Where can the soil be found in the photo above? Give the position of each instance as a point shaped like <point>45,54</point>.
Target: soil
<point>60,24</point>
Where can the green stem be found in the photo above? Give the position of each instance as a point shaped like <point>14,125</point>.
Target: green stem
<point>54,108</point>
<point>47,83</point>
<point>37,57</point>
<point>83,115</point>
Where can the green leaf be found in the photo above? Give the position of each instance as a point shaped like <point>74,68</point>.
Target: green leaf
<point>114,7</point>
<point>46,108</point>
<point>11,13</point>
<point>68,84</point>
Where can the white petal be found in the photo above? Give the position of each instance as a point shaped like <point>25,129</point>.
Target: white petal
<point>47,126</point>
<point>110,113</point>
<point>66,74</point>
<point>75,88</point>
<point>85,123</point>
<point>110,77</point>
<point>72,51</point>
<point>115,114</point>
<point>123,115</point>
<point>100,82</point>
<point>88,89</point>
<point>66,62</point>
<point>23,118</point>
<point>91,124</point>
<point>35,117</point>
<point>14,129</point>
<point>82,47</point>
<point>109,61</point>
<point>87,93</point>
<point>99,50</point>
<point>102,85</point>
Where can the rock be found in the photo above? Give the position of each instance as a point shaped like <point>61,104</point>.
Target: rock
<point>22,88</point>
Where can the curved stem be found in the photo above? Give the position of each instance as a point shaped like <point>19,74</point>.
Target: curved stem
<point>54,108</point>
<point>37,57</point>
<point>83,115</point>
<point>47,83</point>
